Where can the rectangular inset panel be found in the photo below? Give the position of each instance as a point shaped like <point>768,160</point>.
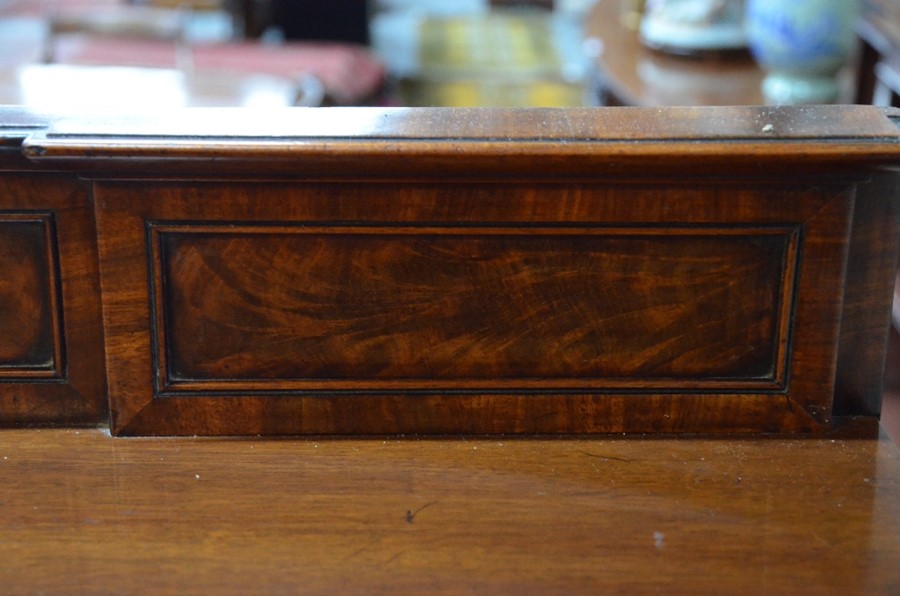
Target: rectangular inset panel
<point>51,336</point>
<point>313,308</point>
<point>30,323</point>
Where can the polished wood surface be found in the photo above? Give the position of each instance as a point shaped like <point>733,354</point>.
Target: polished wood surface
<point>373,271</point>
<point>434,143</point>
<point>81,512</point>
<point>366,144</point>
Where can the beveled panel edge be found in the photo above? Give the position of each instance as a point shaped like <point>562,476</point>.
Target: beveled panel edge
<point>55,371</point>
<point>819,314</point>
<point>868,295</point>
<point>483,414</point>
<point>509,386</point>
<point>165,386</point>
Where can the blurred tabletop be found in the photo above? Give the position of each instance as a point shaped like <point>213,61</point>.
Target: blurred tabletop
<point>633,74</point>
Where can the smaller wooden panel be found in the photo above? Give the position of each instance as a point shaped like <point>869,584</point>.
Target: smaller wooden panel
<point>51,337</point>
<point>300,307</point>
<point>30,325</point>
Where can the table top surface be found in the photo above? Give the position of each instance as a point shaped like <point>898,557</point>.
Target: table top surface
<point>82,511</point>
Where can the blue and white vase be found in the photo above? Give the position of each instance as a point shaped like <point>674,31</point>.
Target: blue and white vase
<point>802,45</point>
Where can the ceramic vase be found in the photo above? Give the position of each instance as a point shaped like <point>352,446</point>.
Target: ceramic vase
<point>802,45</point>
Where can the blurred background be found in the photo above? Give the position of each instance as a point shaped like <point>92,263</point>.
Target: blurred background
<point>511,53</point>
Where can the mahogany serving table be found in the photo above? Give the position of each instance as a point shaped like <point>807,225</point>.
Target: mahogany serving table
<point>357,271</point>
<point>724,271</point>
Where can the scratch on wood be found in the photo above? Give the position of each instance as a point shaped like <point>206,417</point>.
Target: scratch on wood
<point>395,557</point>
<point>411,515</point>
<point>569,125</point>
<point>373,545</point>
<point>543,416</point>
<point>356,553</point>
<point>606,457</point>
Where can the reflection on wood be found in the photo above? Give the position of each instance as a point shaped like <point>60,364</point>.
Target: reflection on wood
<point>90,513</point>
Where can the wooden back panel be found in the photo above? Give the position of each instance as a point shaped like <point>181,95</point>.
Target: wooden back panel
<point>370,271</point>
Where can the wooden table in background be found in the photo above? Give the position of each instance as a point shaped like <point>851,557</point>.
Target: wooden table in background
<point>633,74</point>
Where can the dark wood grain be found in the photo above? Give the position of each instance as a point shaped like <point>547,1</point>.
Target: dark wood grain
<point>871,267</point>
<point>459,271</point>
<point>272,389</point>
<point>87,513</point>
<point>51,338</point>
<point>30,334</point>
<point>474,306</point>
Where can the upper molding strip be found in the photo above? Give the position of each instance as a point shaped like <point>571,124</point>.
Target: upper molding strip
<point>441,141</point>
